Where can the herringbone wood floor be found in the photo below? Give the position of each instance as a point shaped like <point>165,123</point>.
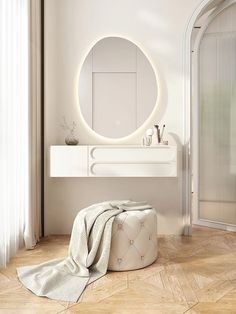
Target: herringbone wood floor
<point>192,275</point>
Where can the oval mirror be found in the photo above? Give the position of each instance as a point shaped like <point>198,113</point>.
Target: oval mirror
<point>117,88</point>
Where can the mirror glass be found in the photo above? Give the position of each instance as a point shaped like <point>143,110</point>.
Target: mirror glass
<point>117,88</point>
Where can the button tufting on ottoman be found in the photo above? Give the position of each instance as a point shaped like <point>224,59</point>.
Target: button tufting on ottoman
<point>134,240</point>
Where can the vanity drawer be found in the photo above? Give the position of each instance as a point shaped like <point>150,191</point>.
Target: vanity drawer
<point>160,154</point>
<point>133,170</point>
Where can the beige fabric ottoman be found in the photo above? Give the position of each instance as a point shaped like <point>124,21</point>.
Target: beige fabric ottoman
<point>134,240</point>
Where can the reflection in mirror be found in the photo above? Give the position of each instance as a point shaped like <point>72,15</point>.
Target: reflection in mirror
<point>117,88</point>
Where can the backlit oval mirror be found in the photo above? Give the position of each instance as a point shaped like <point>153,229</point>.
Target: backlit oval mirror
<point>117,88</point>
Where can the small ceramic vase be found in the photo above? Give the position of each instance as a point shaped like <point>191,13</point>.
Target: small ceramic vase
<point>71,139</point>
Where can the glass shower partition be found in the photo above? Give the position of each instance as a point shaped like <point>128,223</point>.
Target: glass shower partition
<point>217,128</point>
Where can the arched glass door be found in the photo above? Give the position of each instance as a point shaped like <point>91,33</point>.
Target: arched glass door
<point>217,121</point>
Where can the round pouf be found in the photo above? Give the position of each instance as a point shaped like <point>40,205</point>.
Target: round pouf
<point>134,240</point>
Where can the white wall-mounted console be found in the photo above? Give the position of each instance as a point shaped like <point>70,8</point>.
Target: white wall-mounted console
<point>113,161</point>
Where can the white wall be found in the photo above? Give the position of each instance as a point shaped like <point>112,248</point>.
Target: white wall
<point>71,29</point>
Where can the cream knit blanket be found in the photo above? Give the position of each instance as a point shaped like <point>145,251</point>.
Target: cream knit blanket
<point>88,256</point>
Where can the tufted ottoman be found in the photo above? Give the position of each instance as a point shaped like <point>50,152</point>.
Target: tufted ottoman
<point>134,240</point>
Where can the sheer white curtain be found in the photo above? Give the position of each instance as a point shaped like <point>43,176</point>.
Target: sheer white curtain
<point>16,189</point>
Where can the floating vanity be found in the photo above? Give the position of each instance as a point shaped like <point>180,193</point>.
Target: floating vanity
<point>113,161</point>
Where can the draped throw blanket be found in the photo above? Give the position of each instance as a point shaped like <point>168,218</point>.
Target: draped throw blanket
<point>89,249</point>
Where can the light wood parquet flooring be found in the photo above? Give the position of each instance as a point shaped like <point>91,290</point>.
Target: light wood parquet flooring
<point>192,275</point>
